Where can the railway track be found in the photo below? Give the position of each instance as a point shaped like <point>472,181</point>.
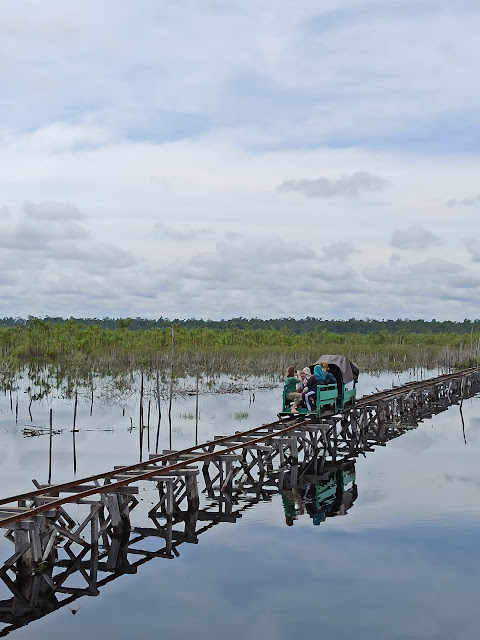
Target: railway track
<point>416,385</point>
<point>45,499</point>
<point>158,468</point>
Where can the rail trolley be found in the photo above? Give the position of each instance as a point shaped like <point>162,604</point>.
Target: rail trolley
<point>331,398</point>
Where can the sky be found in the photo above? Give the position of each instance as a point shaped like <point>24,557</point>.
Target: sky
<point>225,158</point>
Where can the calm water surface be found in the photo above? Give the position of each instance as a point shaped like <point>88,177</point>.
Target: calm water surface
<point>402,563</point>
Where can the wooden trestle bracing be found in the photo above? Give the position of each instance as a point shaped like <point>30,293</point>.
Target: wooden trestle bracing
<point>83,528</point>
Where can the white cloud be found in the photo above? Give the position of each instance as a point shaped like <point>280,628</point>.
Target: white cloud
<point>258,252</point>
<point>349,186</point>
<point>464,202</point>
<point>44,242</point>
<point>473,248</point>
<point>5,215</point>
<point>140,150</point>
<point>37,233</point>
<point>181,234</point>
<point>49,211</point>
<point>395,259</point>
<point>415,237</point>
<point>299,72</point>
<point>341,251</point>
<point>433,283</point>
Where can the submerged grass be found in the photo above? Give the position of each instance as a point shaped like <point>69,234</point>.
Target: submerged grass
<point>239,416</point>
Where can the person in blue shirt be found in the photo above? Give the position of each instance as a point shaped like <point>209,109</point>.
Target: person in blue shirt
<point>321,376</point>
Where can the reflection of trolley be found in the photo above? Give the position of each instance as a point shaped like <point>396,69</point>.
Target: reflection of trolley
<point>331,397</point>
<point>332,496</point>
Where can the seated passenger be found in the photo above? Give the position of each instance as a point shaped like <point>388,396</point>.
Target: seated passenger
<point>304,374</point>
<point>326,375</point>
<point>292,394</point>
<point>320,377</point>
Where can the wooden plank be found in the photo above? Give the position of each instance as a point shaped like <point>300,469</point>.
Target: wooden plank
<point>162,478</point>
<point>50,544</point>
<point>171,452</point>
<point>84,487</point>
<point>36,543</point>
<point>161,470</point>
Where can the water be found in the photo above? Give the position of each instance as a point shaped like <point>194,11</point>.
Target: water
<point>402,563</point>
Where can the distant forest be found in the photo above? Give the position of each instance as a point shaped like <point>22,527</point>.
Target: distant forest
<point>304,325</point>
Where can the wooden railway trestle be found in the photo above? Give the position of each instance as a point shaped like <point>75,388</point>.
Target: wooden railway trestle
<point>52,544</point>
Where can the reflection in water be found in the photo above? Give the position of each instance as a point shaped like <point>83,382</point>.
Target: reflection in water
<point>463,422</point>
<point>326,496</point>
<point>128,390</point>
<point>73,566</point>
<point>79,560</point>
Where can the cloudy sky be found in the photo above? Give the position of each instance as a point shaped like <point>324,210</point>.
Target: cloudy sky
<point>221,158</point>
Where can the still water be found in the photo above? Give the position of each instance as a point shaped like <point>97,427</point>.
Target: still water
<point>402,562</point>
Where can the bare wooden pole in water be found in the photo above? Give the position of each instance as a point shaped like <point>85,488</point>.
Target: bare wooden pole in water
<point>140,418</point>
<point>159,413</point>
<point>171,390</point>
<point>91,385</point>
<point>148,425</point>
<point>75,410</point>
<point>50,449</point>
<point>196,408</point>
<point>73,433</point>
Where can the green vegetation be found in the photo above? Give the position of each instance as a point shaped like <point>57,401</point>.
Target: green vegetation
<point>82,346</point>
<point>239,416</point>
<point>305,325</point>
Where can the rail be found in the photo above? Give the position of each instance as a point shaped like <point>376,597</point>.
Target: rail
<point>161,465</point>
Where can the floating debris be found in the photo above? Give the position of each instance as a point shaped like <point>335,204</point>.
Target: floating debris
<point>30,432</point>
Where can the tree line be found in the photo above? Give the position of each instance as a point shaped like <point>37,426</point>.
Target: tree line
<point>305,325</point>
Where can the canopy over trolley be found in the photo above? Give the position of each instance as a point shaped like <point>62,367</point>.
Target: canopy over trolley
<point>347,368</point>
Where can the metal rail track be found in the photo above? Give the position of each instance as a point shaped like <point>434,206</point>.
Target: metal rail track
<point>416,385</point>
<point>165,464</point>
<point>274,429</point>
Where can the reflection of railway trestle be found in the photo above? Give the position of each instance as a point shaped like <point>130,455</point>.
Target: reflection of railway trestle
<point>72,539</point>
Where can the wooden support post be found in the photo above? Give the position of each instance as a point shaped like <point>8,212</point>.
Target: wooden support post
<point>281,454</point>
<point>94,535</point>
<point>114,511</point>
<point>35,543</point>
<point>335,441</point>
<point>169,501</point>
<point>193,499</point>
<point>294,451</point>
<point>294,475</point>
<point>226,486</point>
<point>21,540</point>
